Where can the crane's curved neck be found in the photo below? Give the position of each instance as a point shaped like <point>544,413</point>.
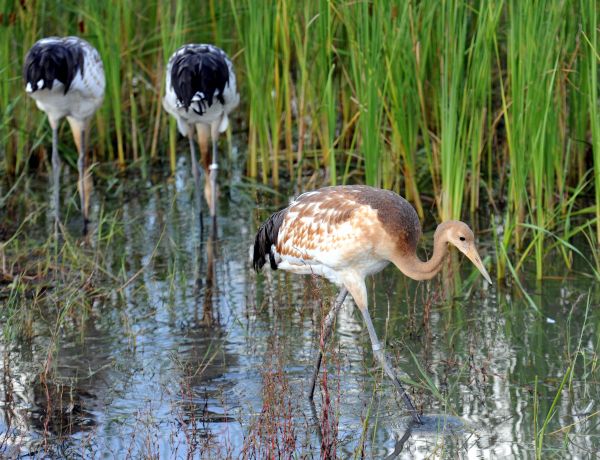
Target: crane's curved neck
<point>415,268</point>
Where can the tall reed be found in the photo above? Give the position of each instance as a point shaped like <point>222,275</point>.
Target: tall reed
<point>256,29</point>
<point>452,27</point>
<point>171,25</point>
<point>324,69</point>
<point>17,33</point>
<point>108,36</point>
<point>531,118</point>
<point>6,102</point>
<point>301,33</point>
<point>364,27</point>
<point>401,56</point>
<point>591,56</point>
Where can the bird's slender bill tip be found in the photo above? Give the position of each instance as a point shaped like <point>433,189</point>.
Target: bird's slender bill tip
<point>485,274</point>
<point>473,256</point>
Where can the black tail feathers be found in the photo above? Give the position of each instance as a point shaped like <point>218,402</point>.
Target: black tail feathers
<point>199,70</point>
<point>265,238</point>
<point>52,60</point>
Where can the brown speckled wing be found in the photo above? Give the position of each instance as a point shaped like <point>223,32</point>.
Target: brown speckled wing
<point>319,223</point>
<point>346,224</point>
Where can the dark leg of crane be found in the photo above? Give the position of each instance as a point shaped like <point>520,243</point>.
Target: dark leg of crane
<point>315,421</point>
<point>196,174</point>
<point>327,326</point>
<point>55,177</point>
<point>214,168</point>
<point>211,287</point>
<point>82,179</point>
<point>383,360</point>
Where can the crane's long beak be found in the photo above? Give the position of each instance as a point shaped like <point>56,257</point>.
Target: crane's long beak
<point>473,256</point>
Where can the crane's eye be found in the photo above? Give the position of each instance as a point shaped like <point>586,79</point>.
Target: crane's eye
<point>461,238</point>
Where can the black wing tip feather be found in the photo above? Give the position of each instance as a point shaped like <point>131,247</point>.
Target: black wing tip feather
<point>199,69</point>
<point>266,237</point>
<point>53,60</point>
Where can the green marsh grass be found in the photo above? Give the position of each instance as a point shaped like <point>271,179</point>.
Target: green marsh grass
<point>301,31</point>
<point>284,29</point>
<point>324,68</point>
<point>590,68</point>
<point>110,27</point>
<point>364,27</point>
<point>460,104</point>
<point>53,285</point>
<point>455,110</point>
<point>171,25</point>
<point>5,99</point>
<point>257,31</point>
<point>403,101</point>
<point>532,105</point>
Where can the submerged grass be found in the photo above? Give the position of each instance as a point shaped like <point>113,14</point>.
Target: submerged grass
<point>49,293</point>
<point>459,103</point>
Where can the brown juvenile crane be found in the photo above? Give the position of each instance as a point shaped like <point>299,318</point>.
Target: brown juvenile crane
<point>346,233</point>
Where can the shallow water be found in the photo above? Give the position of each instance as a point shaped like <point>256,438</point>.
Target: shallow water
<point>197,355</point>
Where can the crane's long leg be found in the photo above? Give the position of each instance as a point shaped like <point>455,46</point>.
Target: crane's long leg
<point>214,168</point>
<point>196,174</point>
<point>84,184</point>
<point>383,360</point>
<point>327,326</point>
<point>55,176</point>
<point>82,180</point>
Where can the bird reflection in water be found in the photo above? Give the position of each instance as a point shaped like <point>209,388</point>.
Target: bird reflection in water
<point>202,358</point>
<point>205,284</point>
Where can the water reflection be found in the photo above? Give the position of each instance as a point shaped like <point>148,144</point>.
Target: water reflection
<point>203,360</point>
<point>55,405</point>
<point>210,246</point>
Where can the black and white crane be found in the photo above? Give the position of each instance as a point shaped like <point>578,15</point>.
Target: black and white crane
<point>200,93</point>
<point>65,76</point>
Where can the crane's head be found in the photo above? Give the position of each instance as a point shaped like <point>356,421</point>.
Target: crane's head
<point>460,235</point>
